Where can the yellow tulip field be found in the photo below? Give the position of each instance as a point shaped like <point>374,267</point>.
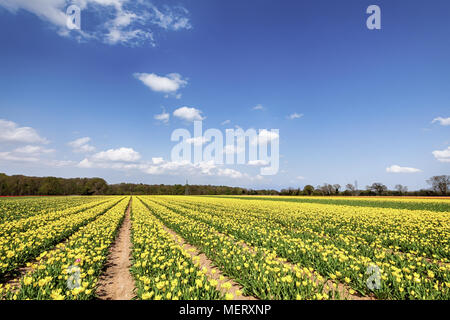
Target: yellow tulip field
<point>228,247</point>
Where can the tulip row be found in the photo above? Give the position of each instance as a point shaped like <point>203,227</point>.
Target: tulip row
<point>71,270</point>
<point>13,227</point>
<point>258,270</point>
<point>344,258</point>
<point>19,247</point>
<point>161,267</point>
<point>22,207</point>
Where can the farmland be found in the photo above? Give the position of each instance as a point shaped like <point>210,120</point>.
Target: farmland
<point>225,247</point>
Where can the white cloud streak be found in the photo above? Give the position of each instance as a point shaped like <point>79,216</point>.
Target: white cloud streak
<point>188,114</point>
<point>170,83</point>
<point>398,169</point>
<point>129,23</point>
<point>442,121</point>
<point>120,155</point>
<point>163,117</point>
<point>295,116</point>
<point>11,132</point>
<point>82,145</point>
<point>442,155</point>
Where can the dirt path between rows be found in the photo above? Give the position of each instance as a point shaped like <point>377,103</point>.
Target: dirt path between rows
<point>116,282</point>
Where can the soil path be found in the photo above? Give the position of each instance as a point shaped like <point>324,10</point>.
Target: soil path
<point>116,282</point>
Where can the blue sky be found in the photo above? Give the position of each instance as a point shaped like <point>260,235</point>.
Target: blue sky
<point>73,104</point>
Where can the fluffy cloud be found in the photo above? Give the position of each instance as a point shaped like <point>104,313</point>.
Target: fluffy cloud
<point>230,173</point>
<point>197,141</point>
<point>121,21</point>
<point>398,169</point>
<point>120,155</point>
<point>265,137</point>
<point>442,121</point>
<point>33,150</point>
<point>226,122</point>
<point>11,132</point>
<point>295,116</point>
<point>9,156</point>
<point>258,107</point>
<point>258,163</point>
<point>188,114</point>
<point>232,149</point>
<point>205,168</point>
<point>82,145</point>
<point>50,10</point>
<point>171,19</point>
<point>164,117</point>
<point>157,160</point>
<point>170,83</point>
<point>442,155</point>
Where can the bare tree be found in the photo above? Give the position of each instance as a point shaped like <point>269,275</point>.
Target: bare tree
<point>378,188</point>
<point>336,187</point>
<point>350,187</point>
<point>440,183</point>
<point>327,189</point>
<point>401,189</point>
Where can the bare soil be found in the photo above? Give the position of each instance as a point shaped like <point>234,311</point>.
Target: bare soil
<point>116,282</point>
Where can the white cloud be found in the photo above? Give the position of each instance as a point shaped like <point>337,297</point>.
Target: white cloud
<point>33,150</point>
<point>157,160</point>
<point>170,83</point>
<point>188,114</point>
<point>398,169</point>
<point>9,156</point>
<point>300,178</point>
<point>120,21</point>
<point>265,137</point>
<point>164,117</point>
<point>82,145</point>
<point>258,107</point>
<point>226,122</point>
<point>11,132</point>
<point>230,173</point>
<point>61,163</point>
<point>198,141</point>
<point>232,149</point>
<point>50,10</point>
<point>205,168</point>
<point>295,116</point>
<point>121,154</point>
<point>442,121</point>
<point>442,155</point>
<point>258,163</point>
<point>85,163</point>
<point>115,36</point>
<point>171,19</point>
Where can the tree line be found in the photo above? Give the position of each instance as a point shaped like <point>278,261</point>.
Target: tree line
<point>19,185</point>
<point>439,186</point>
